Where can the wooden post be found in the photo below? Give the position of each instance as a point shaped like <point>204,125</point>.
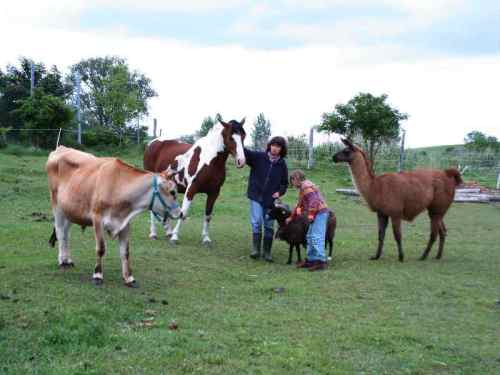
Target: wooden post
<point>154,127</point>
<point>498,178</point>
<point>310,159</point>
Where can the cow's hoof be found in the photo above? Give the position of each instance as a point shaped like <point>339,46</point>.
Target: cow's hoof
<point>65,265</point>
<point>97,282</point>
<point>153,237</point>
<point>132,284</point>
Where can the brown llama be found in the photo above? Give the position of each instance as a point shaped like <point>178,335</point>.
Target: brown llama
<point>402,195</point>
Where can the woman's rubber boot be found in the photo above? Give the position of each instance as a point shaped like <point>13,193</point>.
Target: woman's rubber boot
<point>256,241</point>
<point>268,244</point>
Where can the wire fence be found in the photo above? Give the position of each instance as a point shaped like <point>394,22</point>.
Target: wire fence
<point>480,168</point>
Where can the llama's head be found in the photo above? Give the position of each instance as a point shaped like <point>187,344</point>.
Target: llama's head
<point>347,155</point>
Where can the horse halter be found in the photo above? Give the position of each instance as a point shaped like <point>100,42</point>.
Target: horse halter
<point>167,208</point>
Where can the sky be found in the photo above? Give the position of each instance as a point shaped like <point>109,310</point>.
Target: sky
<point>437,60</point>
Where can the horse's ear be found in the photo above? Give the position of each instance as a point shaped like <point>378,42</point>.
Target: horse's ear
<point>242,122</point>
<point>219,118</point>
<point>348,143</point>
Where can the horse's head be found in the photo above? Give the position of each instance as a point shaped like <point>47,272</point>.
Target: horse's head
<point>347,154</point>
<point>234,137</point>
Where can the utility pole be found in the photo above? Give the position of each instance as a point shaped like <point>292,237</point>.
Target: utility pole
<point>402,151</point>
<point>77,103</point>
<point>32,78</point>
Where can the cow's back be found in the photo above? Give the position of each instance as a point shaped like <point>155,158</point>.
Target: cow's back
<point>160,154</point>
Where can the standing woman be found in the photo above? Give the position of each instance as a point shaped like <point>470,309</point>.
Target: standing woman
<point>268,181</point>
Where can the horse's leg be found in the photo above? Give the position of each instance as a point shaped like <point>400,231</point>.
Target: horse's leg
<point>396,229</point>
<point>62,225</point>
<point>97,277</point>
<point>152,227</point>
<point>123,239</point>
<point>168,228</point>
<point>442,238</point>
<point>186,202</point>
<point>382,226</point>
<point>435,226</point>
<point>211,198</point>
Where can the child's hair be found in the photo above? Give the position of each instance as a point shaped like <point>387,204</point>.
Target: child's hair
<point>297,174</point>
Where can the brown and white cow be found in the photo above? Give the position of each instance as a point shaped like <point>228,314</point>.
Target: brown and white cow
<point>105,193</point>
<point>198,168</point>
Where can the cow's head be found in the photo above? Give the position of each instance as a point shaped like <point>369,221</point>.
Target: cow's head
<point>234,138</point>
<point>168,191</point>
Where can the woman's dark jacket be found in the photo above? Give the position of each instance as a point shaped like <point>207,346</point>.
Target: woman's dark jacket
<point>266,178</point>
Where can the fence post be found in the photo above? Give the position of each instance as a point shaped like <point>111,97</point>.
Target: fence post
<point>310,158</point>
<point>498,178</point>
<point>402,151</point>
<point>154,128</point>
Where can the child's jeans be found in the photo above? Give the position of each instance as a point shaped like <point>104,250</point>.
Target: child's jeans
<point>316,238</point>
<point>258,218</point>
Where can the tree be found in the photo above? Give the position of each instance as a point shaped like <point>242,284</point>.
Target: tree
<point>261,132</point>
<point>188,138</point>
<point>298,147</point>
<point>368,117</point>
<point>44,111</point>
<point>477,141</point>
<point>111,95</point>
<point>207,124</point>
<point>15,86</point>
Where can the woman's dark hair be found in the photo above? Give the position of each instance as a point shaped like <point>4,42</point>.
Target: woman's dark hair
<point>278,141</point>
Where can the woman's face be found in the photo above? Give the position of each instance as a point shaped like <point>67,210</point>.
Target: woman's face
<point>275,150</point>
<point>295,182</point>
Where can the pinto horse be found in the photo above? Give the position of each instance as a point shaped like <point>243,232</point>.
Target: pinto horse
<point>198,168</point>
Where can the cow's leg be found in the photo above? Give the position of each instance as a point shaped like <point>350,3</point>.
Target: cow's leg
<point>97,277</point>
<point>152,227</point>
<point>62,225</point>
<point>211,198</point>
<point>186,202</point>
<point>123,238</point>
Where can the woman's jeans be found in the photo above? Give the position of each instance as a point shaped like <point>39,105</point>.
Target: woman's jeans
<point>316,238</point>
<point>258,218</point>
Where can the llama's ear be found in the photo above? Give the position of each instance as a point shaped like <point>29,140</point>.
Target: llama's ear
<point>348,143</point>
<point>242,122</point>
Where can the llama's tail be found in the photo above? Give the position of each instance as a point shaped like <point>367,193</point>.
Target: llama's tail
<point>454,173</point>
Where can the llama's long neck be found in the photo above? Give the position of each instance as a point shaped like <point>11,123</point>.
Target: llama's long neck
<point>362,176</point>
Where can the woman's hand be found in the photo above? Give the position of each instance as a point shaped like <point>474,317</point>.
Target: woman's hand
<point>276,195</point>
<point>288,220</point>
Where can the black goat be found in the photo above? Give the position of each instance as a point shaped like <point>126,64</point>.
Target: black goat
<point>295,232</point>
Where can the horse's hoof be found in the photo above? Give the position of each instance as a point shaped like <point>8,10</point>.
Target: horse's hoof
<point>168,235</point>
<point>207,243</point>
<point>65,265</point>
<point>173,242</point>
<point>153,237</point>
<point>97,282</point>
<point>134,284</point>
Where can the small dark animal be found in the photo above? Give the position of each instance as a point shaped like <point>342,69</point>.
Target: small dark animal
<point>295,232</point>
<point>402,196</point>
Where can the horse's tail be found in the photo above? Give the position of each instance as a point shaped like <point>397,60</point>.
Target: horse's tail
<point>53,238</point>
<point>454,173</point>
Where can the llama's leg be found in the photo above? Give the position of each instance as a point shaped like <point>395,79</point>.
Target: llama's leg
<point>62,225</point>
<point>211,198</point>
<point>396,229</point>
<point>123,238</point>
<point>382,226</point>
<point>290,254</point>
<point>442,238</point>
<point>435,225</point>
<point>97,277</point>
<point>152,226</point>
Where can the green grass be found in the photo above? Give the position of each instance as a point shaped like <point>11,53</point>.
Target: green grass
<point>356,317</point>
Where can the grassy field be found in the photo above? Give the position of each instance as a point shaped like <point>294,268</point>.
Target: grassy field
<point>357,317</point>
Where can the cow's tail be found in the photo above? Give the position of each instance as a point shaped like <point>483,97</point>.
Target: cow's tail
<point>53,238</point>
<point>455,174</point>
